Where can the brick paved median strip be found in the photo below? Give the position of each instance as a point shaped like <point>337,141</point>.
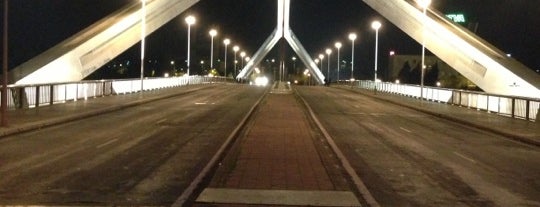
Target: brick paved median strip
<point>278,197</point>
<point>277,162</point>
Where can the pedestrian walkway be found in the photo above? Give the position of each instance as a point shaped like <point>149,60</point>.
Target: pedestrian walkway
<point>521,130</point>
<point>280,160</point>
<point>24,120</point>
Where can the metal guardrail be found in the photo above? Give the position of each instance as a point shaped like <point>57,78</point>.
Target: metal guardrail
<point>512,106</point>
<point>32,96</point>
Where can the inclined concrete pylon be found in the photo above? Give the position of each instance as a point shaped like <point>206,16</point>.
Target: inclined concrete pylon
<point>85,52</point>
<point>477,60</point>
<point>282,31</point>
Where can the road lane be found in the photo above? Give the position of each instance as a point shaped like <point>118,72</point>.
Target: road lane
<point>144,155</point>
<point>412,159</point>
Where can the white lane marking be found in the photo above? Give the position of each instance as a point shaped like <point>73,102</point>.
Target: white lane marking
<point>465,157</point>
<point>161,121</point>
<point>278,197</point>
<point>200,103</point>
<point>409,131</point>
<point>107,143</point>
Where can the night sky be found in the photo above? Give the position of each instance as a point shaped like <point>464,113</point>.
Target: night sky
<point>36,25</point>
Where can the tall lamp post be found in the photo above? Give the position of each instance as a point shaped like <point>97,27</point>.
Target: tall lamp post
<point>376,25</point>
<point>212,33</point>
<point>235,49</point>
<point>242,55</point>
<point>5,66</point>
<point>424,4</point>
<point>190,20</point>
<point>338,46</point>
<point>352,37</point>
<point>226,42</point>
<point>294,65</point>
<point>328,52</point>
<point>143,37</point>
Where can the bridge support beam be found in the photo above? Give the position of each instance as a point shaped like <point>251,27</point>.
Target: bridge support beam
<point>477,60</point>
<point>282,31</point>
<point>90,49</point>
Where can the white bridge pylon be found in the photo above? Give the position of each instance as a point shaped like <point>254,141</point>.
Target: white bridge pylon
<point>282,31</point>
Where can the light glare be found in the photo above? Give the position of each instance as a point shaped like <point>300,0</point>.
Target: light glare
<point>190,20</point>
<point>338,45</point>
<point>352,36</point>
<point>213,32</point>
<point>376,25</point>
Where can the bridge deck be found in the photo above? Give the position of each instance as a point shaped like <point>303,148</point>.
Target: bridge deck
<point>261,157</point>
<point>24,120</point>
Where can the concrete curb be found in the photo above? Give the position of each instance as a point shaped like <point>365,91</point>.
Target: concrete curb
<point>510,135</point>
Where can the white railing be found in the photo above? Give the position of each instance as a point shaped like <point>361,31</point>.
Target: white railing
<point>513,106</point>
<point>31,96</point>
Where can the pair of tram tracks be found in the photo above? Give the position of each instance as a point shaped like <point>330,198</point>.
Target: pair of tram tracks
<point>190,194</point>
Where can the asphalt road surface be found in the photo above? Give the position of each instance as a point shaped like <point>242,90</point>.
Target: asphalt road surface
<point>148,154</point>
<point>407,158</point>
<point>144,155</point>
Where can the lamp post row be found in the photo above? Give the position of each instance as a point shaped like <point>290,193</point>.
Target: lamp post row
<point>190,20</point>
<point>376,25</point>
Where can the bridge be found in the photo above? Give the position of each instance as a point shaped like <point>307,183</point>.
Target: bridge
<point>200,141</point>
<point>473,57</point>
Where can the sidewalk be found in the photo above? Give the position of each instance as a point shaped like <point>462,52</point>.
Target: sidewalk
<point>279,161</point>
<point>25,120</point>
<point>517,129</point>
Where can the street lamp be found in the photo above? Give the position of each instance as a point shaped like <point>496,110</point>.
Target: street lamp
<point>294,64</point>
<point>226,42</point>
<point>143,35</point>
<point>189,20</point>
<point>235,49</point>
<point>173,68</point>
<point>242,55</point>
<point>5,66</point>
<point>376,25</point>
<point>328,52</point>
<point>212,33</point>
<point>352,37</point>
<point>321,57</point>
<point>202,66</point>
<point>424,4</point>
<point>338,46</point>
